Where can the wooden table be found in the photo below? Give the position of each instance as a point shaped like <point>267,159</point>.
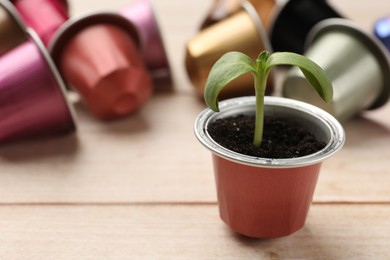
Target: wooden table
<point>143,187</point>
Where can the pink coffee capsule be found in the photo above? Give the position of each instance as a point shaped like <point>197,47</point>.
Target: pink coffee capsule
<point>97,55</point>
<point>44,16</point>
<point>32,94</point>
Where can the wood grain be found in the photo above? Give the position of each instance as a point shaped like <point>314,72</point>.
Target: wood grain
<point>143,187</point>
<point>185,232</point>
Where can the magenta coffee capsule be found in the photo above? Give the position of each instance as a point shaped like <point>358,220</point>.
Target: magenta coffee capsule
<point>32,94</point>
<point>98,55</point>
<point>12,27</point>
<point>44,16</point>
<point>141,14</point>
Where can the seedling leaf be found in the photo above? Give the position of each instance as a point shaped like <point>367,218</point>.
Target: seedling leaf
<point>229,67</point>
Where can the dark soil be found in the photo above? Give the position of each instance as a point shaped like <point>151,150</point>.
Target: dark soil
<point>282,138</point>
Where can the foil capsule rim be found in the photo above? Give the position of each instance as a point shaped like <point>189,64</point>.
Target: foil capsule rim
<point>55,73</point>
<point>76,24</point>
<point>255,16</point>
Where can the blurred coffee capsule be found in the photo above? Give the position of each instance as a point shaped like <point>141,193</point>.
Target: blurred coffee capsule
<point>382,31</point>
<point>141,14</point>
<point>32,94</point>
<point>97,54</point>
<point>355,61</point>
<point>221,9</point>
<point>12,27</point>
<point>243,32</point>
<point>293,20</point>
<point>44,16</point>
<point>266,10</point>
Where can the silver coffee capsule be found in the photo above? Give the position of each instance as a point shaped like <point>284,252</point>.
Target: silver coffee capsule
<point>356,62</point>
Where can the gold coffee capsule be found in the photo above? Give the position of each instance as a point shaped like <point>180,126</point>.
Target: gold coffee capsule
<point>242,32</point>
<point>265,9</point>
<point>222,9</point>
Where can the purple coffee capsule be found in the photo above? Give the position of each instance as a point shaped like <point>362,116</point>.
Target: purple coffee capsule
<point>382,31</point>
<point>141,14</point>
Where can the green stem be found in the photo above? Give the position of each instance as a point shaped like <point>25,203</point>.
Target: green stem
<point>260,85</point>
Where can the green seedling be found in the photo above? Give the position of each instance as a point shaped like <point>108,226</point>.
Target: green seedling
<point>234,64</point>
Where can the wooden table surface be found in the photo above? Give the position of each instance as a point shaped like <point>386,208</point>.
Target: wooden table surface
<point>143,187</point>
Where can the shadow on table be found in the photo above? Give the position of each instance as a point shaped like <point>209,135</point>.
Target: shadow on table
<point>361,131</point>
<point>40,148</point>
<point>304,244</point>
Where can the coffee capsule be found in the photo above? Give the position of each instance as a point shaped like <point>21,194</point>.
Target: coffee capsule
<point>44,16</point>
<point>12,28</point>
<point>98,55</point>
<point>356,63</point>
<point>33,101</point>
<point>293,20</point>
<point>221,9</point>
<point>242,32</point>
<point>382,31</point>
<point>141,14</point>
